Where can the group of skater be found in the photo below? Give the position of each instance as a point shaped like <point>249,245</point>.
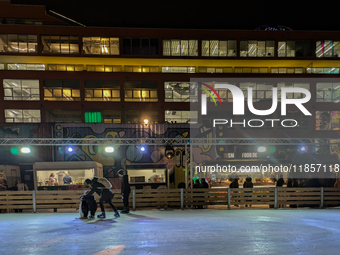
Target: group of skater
<point>102,187</point>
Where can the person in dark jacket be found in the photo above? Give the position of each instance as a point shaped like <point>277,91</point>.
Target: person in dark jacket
<point>248,184</point>
<point>125,190</point>
<point>105,194</point>
<point>234,185</point>
<point>280,182</point>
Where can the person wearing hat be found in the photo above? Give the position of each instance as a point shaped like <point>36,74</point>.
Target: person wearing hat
<point>105,194</point>
<point>125,190</point>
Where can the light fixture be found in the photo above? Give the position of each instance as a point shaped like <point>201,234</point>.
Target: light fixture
<point>303,149</point>
<point>142,148</point>
<point>25,150</point>
<point>146,121</point>
<point>109,149</point>
<point>261,149</point>
<point>69,149</point>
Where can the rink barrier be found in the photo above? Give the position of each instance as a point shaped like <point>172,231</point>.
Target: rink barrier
<point>274,197</point>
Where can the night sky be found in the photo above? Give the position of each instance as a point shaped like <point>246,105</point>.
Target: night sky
<point>208,14</point>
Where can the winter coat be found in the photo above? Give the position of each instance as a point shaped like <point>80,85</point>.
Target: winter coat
<point>104,193</point>
<point>125,185</point>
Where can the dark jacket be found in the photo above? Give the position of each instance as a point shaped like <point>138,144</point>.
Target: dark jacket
<point>125,185</point>
<point>234,184</point>
<point>104,194</point>
<point>247,184</point>
<point>280,182</point>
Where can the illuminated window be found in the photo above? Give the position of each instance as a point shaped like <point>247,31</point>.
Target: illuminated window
<point>178,47</point>
<point>61,90</point>
<point>327,120</point>
<point>22,116</point>
<point>215,69</point>
<point>102,68</point>
<point>59,44</point>
<point>322,70</point>
<point>70,68</point>
<point>32,67</point>
<point>286,70</point>
<point>18,43</point>
<point>251,69</point>
<point>327,48</point>
<point>219,48</point>
<point>178,69</point>
<point>106,91</point>
<point>141,91</point>
<point>261,91</point>
<point>27,90</point>
<point>328,92</point>
<point>141,69</point>
<point>292,85</point>
<point>298,48</point>
<point>253,48</point>
<point>101,46</point>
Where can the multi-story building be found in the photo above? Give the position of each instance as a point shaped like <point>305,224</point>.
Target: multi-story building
<point>57,79</point>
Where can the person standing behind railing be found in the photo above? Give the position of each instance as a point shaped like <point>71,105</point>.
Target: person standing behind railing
<point>234,185</point>
<point>3,182</point>
<point>248,184</point>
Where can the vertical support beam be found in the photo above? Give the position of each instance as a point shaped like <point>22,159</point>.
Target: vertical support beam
<point>34,201</point>
<point>134,199</point>
<point>275,198</point>
<point>186,166</point>
<point>322,197</point>
<point>182,199</point>
<point>191,170</point>
<point>229,201</point>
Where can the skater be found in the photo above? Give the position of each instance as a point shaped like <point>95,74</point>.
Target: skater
<point>86,203</point>
<point>125,190</point>
<point>102,187</point>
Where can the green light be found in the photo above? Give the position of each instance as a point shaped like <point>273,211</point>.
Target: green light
<point>93,117</point>
<point>15,151</point>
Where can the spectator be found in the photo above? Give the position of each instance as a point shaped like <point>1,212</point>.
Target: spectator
<point>204,184</point>
<point>248,184</point>
<point>125,190</point>
<point>67,179</point>
<point>234,185</point>
<point>3,182</point>
<point>280,181</point>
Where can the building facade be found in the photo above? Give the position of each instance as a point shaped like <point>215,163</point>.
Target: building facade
<point>59,79</point>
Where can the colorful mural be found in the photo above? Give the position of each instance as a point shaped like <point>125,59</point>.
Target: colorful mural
<point>126,154</point>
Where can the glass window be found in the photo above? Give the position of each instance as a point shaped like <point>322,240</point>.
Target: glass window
<point>177,91</point>
<point>59,44</point>
<point>286,70</point>
<point>36,67</point>
<point>141,91</point>
<point>261,91</point>
<point>18,43</point>
<point>219,48</point>
<point>179,47</point>
<point>180,116</point>
<point>215,69</point>
<point>140,46</point>
<point>58,115</point>
<point>142,69</point>
<point>290,84</point>
<point>22,116</point>
<point>328,92</point>
<point>27,90</point>
<point>105,91</point>
<point>322,70</point>
<point>135,116</point>
<point>61,90</point>
<point>298,48</point>
<point>327,120</point>
<point>178,69</point>
<point>253,48</point>
<point>65,68</point>
<point>101,46</point>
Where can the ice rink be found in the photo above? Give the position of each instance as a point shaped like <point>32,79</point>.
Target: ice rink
<point>248,231</point>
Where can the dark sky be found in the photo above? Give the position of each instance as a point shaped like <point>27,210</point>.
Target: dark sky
<point>209,14</point>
